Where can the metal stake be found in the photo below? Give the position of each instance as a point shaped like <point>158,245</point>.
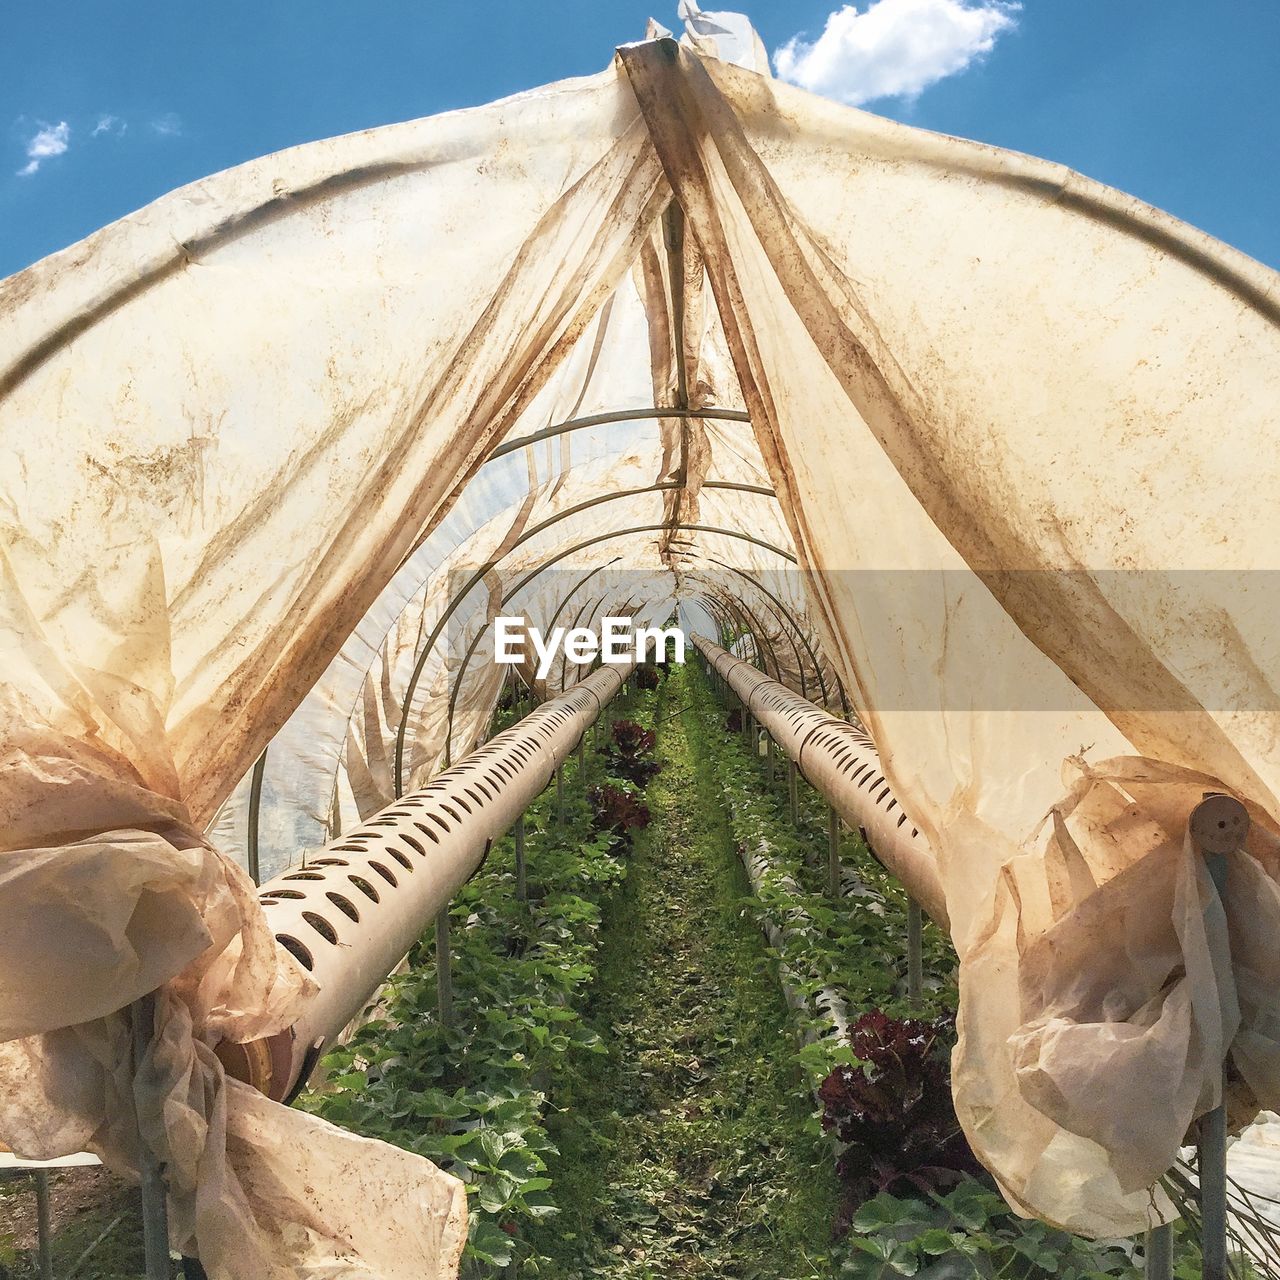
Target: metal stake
<point>915,952</point>
<point>1211,1163</point>
<point>444,969</point>
<point>522,887</point>
<point>793,792</point>
<point>155,1218</point>
<point>1219,824</point>
<point>560,794</point>
<point>1159,1252</point>
<point>833,852</point>
<point>44,1241</point>
<point>582,761</point>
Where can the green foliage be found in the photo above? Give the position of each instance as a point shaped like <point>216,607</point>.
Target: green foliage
<point>971,1232</point>
<point>857,947</point>
<point>472,1097</point>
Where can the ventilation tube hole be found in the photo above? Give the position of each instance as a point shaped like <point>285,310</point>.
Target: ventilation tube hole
<point>345,905</point>
<point>365,887</point>
<point>321,926</point>
<point>296,950</point>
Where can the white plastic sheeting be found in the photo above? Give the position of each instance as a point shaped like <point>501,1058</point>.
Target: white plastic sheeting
<point>1004,411</point>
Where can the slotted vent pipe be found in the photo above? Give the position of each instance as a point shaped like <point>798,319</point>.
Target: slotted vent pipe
<point>352,913</point>
<point>841,762</point>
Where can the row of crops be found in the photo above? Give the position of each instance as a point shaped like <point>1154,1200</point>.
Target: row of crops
<point>677,1055</point>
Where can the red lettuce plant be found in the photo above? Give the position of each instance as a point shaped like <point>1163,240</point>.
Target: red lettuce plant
<point>632,740</point>
<point>617,810</point>
<point>893,1113</point>
<point>648,676</point>
<point>631,743</point>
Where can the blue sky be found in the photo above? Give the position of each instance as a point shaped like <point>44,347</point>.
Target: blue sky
<point>1176,102</point>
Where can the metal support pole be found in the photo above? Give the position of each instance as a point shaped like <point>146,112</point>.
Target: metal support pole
<point>793,791</point>
<point>444,969</point>
<point>560,794</point>
<point>1219,824</point>
<point>833,852</point>
<point>155,1218</point>
<point>768,755</point>
<point>915,952</point>
<point>522,885</point>
<point>44,1227</point>
<point>1211,1163</point>
<point>582,761</point>
<point>1159,1251</point>
<point>255,807</point>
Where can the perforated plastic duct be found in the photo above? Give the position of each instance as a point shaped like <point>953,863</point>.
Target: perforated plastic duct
<point>1013,428</point>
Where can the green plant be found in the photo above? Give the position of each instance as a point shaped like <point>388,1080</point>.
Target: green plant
<point>855,948</point>
<point>472,1096</point>
<point>971,1232</point>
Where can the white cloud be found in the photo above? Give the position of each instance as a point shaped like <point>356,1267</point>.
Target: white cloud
<point>893,48</point>
<point>108,124</point>
<point>49,140</point>
<point>167,125</point>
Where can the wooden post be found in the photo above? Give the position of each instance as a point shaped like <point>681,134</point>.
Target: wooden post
<point>915,952</point>
<point>833,852</point>
<point>444,968</point>
<point>522,885</point>
<point>1159,1251</point>
<point>44,1227</point>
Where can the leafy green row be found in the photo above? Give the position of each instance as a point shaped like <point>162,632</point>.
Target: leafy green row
<point>857,947</point>
<point>472,1096</point>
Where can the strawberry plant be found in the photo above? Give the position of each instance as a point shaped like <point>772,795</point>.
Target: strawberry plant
<point>971,1234</point>
<point>473,1096</point>
<point>886,1087</point>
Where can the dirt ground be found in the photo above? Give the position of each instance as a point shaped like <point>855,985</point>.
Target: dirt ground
<point>83,1203</point>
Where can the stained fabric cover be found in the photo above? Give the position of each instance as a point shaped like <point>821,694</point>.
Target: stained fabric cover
<point>1011,427</point>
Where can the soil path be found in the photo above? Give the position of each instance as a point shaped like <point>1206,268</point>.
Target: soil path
<point>685,1150</point>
